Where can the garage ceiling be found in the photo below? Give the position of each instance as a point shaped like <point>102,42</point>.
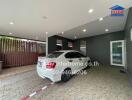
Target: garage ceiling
<point>97,27</point>
<point>33,18</point>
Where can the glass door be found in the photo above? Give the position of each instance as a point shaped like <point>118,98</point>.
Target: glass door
<point>117,52</point>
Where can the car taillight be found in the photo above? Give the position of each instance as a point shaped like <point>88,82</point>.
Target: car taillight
<point>51,65</point>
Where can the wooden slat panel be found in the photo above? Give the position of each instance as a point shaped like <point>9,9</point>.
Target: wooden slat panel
<point>19,59</point>
<point>18,53</point>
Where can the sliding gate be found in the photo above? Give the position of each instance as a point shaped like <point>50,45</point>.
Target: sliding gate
<point>19,52</point>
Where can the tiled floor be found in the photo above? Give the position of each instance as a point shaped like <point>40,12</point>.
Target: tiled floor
<point>15,87</point>
<point>16,70</point>
<point>100,83</point>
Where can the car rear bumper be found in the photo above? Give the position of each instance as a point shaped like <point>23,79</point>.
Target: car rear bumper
<point>49,73</point>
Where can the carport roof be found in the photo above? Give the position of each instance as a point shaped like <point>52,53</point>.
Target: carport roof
<point>35,19</point>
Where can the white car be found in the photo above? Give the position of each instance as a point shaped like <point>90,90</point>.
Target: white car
<point>60,65</point>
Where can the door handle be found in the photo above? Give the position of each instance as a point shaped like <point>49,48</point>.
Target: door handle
<point>70,60</point>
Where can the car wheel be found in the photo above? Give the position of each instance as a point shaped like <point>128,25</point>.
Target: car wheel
<point>89,64</point>
<point>66,75</point>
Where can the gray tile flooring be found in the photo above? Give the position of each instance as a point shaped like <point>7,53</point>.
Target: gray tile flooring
<point>100,83</point>
<point>13,88</point>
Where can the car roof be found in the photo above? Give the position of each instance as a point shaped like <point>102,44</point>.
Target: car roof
<point>67,51</point>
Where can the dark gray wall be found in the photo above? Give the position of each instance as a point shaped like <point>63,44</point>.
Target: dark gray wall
<point>77,44</point>
<point>98,47</point>
<point>129,44</point>
<point>52,43</point>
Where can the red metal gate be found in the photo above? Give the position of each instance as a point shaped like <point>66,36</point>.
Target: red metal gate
<point>14,52</point>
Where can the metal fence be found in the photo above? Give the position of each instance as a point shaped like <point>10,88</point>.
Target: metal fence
<point>15,52</point>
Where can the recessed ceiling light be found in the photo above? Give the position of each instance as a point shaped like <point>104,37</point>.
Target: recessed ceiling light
<point>10,33</point>
<point>11,23</point>
<point>46,32</point>
<point>90,10</point>
<point>84,30</point>
<point>100,19</point>
<point>75,37</point>
<point>62,32</point>
<point>106,30</point>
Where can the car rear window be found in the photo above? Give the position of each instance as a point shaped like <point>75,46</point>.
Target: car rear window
<point>55,54</point>
<point>74,55</point>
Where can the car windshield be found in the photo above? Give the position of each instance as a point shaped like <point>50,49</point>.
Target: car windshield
<point>55,55</point>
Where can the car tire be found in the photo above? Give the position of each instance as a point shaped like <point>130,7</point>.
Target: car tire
<point>66,75</point>
<point>89,65</point>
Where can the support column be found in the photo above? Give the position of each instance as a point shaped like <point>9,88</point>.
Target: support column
<point>46,44</point>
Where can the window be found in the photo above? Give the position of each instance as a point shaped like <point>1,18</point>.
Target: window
<point>59,42</point>
<point>74,55</point>
<point>55,55</point>
<point>70,45</point>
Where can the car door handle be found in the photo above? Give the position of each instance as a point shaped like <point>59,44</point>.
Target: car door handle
<point>70,60</point>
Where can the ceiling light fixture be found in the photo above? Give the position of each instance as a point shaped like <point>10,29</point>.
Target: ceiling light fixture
<point>84,30</point>
<point>90,10</point>
<point>100,19</point>
<point>106,30</point>
<point>10,33</point>
<point>11,23</point>
<point>75,37</point>
<point>62,32</point>
<point>46,32</point>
